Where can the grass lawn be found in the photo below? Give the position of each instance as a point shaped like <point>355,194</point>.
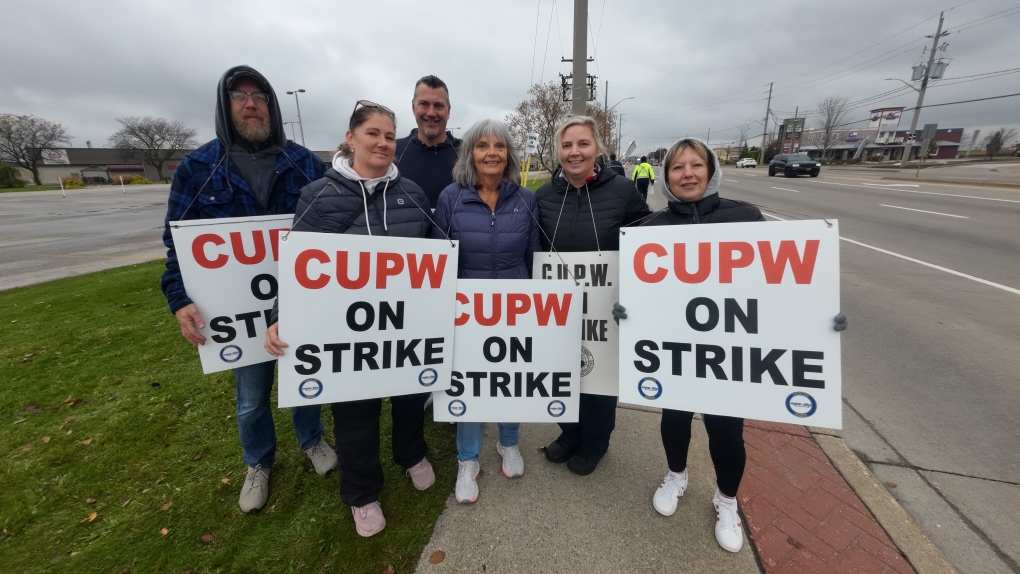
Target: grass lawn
<point>534,184</point>
<point>29,188</point>
<point>118,455</point>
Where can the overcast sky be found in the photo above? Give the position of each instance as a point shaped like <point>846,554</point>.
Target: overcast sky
<point>690,66</point>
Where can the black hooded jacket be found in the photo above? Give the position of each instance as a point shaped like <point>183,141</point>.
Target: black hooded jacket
<point>253,162</point>
<point>587,218</point>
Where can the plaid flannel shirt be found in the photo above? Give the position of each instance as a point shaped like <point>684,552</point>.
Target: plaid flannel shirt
<point>222,192</point>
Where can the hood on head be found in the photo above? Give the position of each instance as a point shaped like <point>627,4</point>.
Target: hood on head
<point>713,182</point>
<point>224,123</point>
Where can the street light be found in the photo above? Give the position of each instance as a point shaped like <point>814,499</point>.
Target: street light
<point>300,125</point>
<point>291,124</point>
<point>620,128</point>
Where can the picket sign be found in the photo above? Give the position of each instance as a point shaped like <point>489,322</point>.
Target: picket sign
<point>598,272</point>
<point>515,355</point>
<point>733,319</point>
<point>364,317</point>
<point>229,270</point>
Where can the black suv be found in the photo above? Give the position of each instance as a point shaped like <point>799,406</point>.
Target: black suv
<point>792,164</point>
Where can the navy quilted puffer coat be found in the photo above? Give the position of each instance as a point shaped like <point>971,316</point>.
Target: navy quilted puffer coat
<point>493,244</point>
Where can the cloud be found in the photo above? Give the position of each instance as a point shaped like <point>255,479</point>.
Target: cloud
<point>691,68</point>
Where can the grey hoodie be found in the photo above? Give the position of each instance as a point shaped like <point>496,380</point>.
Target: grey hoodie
<point>255,165</point>
<point>713,181</point>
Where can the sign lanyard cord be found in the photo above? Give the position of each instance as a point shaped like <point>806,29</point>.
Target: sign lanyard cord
<point>590,208</point>
<point>227,177</point>
<point>552,245</point>
<point>207,180</point>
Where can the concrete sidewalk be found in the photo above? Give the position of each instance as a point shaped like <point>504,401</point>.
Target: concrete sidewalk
<point>800,515</point>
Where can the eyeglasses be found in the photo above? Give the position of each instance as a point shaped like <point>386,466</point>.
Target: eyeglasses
<point>239,96</point>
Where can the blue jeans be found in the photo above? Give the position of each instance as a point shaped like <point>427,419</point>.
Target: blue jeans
<point>471,435</point>
<point>255,416</point>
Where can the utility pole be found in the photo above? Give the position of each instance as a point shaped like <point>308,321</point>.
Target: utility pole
<point>907,143</point>
<point>765,131</point>
<point>579,88</point>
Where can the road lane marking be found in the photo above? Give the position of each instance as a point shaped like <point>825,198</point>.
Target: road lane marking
<point>921,192</point>
<point>923,211</point>
<point>784,189</point>
<point>732,181</point>
<point>892,184</point>
<point>919,262</point>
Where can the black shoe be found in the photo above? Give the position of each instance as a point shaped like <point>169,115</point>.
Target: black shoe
<point>557,453</point>
<point>584,463</point>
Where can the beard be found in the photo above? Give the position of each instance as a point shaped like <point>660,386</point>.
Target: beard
<point>255,133</point>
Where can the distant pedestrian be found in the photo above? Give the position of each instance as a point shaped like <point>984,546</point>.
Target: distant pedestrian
<point>643,174</point>
<point>249,169</point>
<point>615,165</point>
<point>495,221</point>
<point>427,155</point>
<point>582,208</point>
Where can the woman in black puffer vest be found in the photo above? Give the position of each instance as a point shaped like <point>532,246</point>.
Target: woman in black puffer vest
<point>582,209</point>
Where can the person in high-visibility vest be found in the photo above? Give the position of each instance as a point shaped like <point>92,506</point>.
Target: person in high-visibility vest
<point>643,174</point>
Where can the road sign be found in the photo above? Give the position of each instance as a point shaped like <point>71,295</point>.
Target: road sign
<point>929,131</point>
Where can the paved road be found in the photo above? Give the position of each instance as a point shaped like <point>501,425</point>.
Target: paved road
<point>931,359</point>
<point>44,236</point>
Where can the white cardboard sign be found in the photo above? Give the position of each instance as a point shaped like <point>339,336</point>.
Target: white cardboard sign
<point>229,269</point>
<point>598,272</point>
<point>733,319</point>
<point>515,355</point>
<point>364,317</point>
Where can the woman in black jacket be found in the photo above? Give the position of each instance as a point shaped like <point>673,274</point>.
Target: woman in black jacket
<point>691,179</point>
<point>364,194</point>
<point>582,209</point>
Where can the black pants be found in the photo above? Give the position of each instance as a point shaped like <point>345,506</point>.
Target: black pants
<point>725,444</point>
<point>596,421</point>
<point>356,428</point>
<point>642,187</point>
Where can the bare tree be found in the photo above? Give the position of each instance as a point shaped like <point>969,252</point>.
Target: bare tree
<point>154,140</point>
<point>542,111</point>
<point>994,143</point>
<point>23,139</point>
<point>831,115</point>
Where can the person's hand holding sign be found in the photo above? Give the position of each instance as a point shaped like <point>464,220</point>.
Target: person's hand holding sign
<point>620,312</point>
<point>840,322</point>
<point>191,321</point>
<point>274,346</point>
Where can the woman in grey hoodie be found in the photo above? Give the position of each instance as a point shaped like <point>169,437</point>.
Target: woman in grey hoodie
<point>364,194</point>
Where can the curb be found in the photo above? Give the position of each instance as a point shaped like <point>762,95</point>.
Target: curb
<point>923,555</point>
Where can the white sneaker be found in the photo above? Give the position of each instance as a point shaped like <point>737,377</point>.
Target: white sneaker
<point>323,458</point>
<point>669,492</point>
<point>513,462</point>
<point>467,488</point>
<point>728,531</point>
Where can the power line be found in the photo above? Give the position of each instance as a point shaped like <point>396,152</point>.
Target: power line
<point>534,48</point>
<point>965,101</point>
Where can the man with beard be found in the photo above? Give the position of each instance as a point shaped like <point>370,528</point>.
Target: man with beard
<point>427,155</point>
<point>250,169</point>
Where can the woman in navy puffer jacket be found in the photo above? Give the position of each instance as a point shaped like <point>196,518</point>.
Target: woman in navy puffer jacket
<point>496,222</point>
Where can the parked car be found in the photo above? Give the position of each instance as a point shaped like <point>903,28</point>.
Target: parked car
<point>747,162</point>
<point>794,164</point>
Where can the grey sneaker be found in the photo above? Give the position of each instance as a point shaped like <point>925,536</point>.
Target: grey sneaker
<point>255,490</point>
<point>323,457</point>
